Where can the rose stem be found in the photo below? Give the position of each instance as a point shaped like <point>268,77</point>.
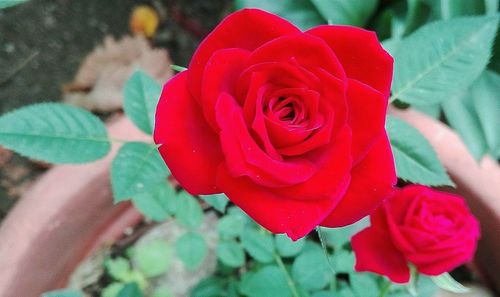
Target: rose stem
<point>291,283</point>
<point>333,283</point>
<point>385,289</point>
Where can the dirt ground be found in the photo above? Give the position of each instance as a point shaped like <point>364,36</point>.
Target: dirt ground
<point>42,43</point>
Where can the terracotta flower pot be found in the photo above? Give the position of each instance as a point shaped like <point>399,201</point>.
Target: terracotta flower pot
<point>69,212</point>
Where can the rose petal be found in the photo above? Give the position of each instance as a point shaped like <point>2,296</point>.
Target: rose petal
<point>361,54</point>
<point>285,49</point>
<point>221,73</point>
<point>334,92</point>
<point>423,257</point>
<point>277,214</point>
<point>245,157</point>
<point>436,264</point>
<point>417,238</point>
<point>278,75</point>
<point>399,239</point>
<point>244,29</point>
<point>266,78</point>
<point>375,253</point>
<point>333,109</point>
<point>253,113</point>
<point>189,147</point>
<point>378,218</point>
<point>273,132</point>
<point>333,172</point>
<point>367,111</point>
<point>321,136</point>
<point>372,180</point>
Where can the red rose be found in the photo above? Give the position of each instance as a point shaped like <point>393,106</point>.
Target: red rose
<point>288,124</point>
<point>432,230</point>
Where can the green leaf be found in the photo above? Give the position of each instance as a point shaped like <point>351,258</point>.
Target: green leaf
<point>270,281</point>
<point>343,261</point>
<point>346,292</point>
<point>232,289</point>
<point>230,226</point>
<point>491,6</point>
<point>391,45</point>
<point>446,282</point>
<point>64,292</point>
<point>170,198</point>
<point>461,115</point>
<point>153,258</point>
<point>310,245</point>
<point>474,115</point>
<point>338,237</point>
<point>364,284</point>
<point>301,13</point>
<point>415,158</point>
<point>259,245</point>
<point>130,290</point>
<point>189,212</point>
<point>430,110</point>
<point>118,268</point>
<point>162,292</point>
<point>217,201</point>
<point>400,12</point>
<point>426,286</point>
<point>9,3</point>
<point>155,205</point>
<point>141,95</point>
<point>235,210</point>
<point>486,101</point>
<point>55,133</point>
<point>383,24</point>
<point>455,8</point>
<point>209,287</point>
<point>177,68</point>
<point>287,247</point>
<point>442,59</point>
<point>230,253</point>
<point>310,270</point>
<point>352,12</point>
<point>138,168</point>
<point>192,249</point>
<point>417,15</point>
<point>400,19</point>
<point>324,294</point>
<point>112,290</point>
<point>495,59</point>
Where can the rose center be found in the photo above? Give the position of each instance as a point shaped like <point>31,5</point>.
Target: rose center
<point>287,113</point>
<point>442,220</point>
<point>289,110</point>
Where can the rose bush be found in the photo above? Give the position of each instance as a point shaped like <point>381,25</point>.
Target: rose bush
<point>288,124</point>
<point>432,230</point>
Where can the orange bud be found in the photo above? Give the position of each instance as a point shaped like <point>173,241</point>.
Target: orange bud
<point>144,20</point>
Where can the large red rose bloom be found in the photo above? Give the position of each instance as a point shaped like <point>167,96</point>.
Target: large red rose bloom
<point>288,124</point>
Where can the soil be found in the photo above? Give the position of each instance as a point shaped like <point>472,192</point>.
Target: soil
<point>42,43</point>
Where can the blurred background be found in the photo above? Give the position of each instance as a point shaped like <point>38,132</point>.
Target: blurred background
<point>43,44</point>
